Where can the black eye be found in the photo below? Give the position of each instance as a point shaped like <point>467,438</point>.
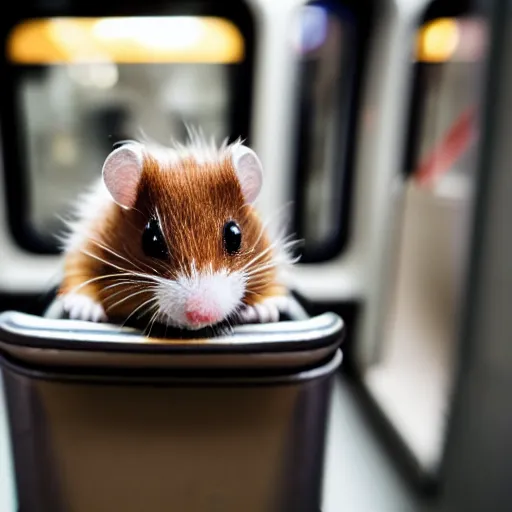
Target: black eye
<point>232,237</point>
<point>153,243</point>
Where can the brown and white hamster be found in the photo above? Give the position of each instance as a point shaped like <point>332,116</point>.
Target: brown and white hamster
<point>171,233</point>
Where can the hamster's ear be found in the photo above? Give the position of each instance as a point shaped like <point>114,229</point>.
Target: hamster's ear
<point>121,174</point>
<point>249,170</point>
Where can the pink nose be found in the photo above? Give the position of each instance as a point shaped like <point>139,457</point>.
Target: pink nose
<point>197,312</point>
<point>198,317</point>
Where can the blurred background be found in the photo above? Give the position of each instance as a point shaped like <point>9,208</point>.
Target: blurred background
<point>368,116</point>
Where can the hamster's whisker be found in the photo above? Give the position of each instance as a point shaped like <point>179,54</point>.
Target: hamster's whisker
<point>292,242</point>
<point>111,251</point>
<point>222,330</point>
<point>152,321</point>
<point>272,217</point>
<point>125,282</point>
<point>260,269</point>
<point>264,266</point>
<point>258,257</point>
<point>128,297</point>
<point>282,239</point>
<point>137,211</point>
<point>149,277</point>
<point>287,258</point>
<point>98,278</point>
<point>139,307</point>
<point>289,242</point>
<point>133,262</point>
<point>258,288</point>
<point>230,325</point>
<point>133,284</point>
<point>260,281</point>
<point>254,293</point>
<point>135,258</point>
<point>245,205</point>
<point>275,262</point>
<point>129,253</point>
<point>154,270</point>
<point>276,245</point>
<point>262,232</point>
<point>148,310</point>
<point>140,265</point>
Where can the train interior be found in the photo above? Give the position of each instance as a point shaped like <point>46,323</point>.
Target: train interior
<point>373,123</point>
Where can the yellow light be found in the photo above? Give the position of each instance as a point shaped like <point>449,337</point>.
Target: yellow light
<point>438,40</point>
<point>126,40</point>
<point>155,33</point>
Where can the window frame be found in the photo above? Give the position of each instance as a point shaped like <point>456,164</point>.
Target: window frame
<point>13,137</point>
<point>349,100</point>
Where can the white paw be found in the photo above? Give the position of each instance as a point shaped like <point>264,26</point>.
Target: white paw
<point>82,307</point>
<point>267,311</point>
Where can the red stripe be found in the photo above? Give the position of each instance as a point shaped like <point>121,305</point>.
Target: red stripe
<point>449,150</point>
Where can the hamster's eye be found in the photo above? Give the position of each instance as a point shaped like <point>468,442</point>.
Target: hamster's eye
<point>232,237</point>
<point>153,242</point>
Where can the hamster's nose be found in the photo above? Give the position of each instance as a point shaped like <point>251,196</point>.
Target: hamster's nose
<point>198,311</point>
<point>198,318</point>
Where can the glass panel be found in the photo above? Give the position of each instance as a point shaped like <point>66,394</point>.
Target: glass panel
<point>414,376</point>
<point>325,49</point>
<point>83,84</point>
<point>449,53</point>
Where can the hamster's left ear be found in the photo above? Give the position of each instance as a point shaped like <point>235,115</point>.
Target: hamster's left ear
<point>121,174</point>
<point>249,171</point>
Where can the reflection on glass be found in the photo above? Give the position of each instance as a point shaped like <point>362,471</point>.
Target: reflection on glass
<point>323,41</point>
<point>415,374</point>
<point>449,52</point>
<point>83,84</point>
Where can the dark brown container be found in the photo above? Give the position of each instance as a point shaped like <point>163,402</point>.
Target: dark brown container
<point>104,419</point>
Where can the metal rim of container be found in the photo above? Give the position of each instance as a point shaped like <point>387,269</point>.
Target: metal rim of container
<point>23,330</point>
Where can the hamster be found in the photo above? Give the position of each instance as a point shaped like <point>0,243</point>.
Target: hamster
<point>172,234</point>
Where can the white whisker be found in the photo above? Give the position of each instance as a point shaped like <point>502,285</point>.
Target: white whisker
<point>149,301</point>
<point>259,270</point>
<point>150,277</point>
<point>125,282</point>
<point>105,248</point>
<point>152,321</point>
<point>271,218</point>
<point>98,278</point>
<point>258,257</point>
<point>128,297</point>
<point>138,286</point>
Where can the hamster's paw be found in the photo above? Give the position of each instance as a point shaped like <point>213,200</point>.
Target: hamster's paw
<point>81,307</point>
<point>267,311</point>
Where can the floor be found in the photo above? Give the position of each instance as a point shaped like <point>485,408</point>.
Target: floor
<point>359,474</point>
<point>413,380</point>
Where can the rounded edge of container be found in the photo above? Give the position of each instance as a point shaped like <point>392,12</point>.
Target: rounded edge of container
<point>328,367</point>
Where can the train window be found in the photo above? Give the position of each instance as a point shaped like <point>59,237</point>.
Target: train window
<point>330,39</point>
<point>414,376</point>
<point>75,86</point>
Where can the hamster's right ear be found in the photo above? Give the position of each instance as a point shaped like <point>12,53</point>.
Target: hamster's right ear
<point>249,171</point>
<point>121,174</point>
